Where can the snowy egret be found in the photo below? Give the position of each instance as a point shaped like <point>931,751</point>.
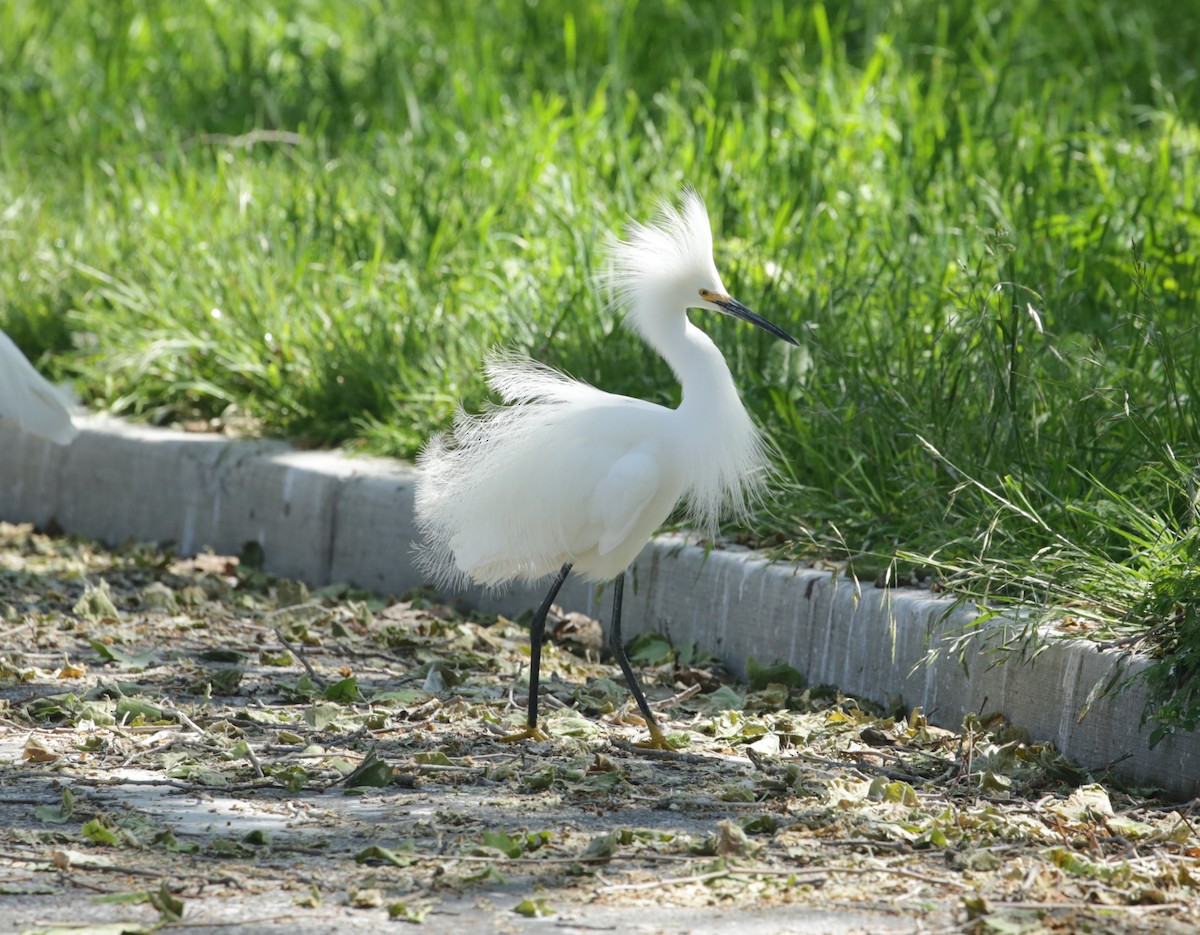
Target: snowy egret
<point>567,477</point>
<point>29,400</point>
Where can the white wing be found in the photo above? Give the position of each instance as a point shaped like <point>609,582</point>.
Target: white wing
<point>30,400</point>
<point>621,497</point>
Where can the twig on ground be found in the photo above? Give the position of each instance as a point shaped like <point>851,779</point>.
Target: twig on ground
<point>676,698</point>
<point>299,657</point>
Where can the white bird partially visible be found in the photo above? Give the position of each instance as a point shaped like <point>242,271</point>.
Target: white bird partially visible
<point>568,477</point>
<point>29,400</point>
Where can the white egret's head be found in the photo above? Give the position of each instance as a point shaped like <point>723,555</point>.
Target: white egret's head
<point>666,266</point>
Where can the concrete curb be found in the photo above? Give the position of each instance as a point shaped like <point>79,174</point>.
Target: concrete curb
<point>324,517</point>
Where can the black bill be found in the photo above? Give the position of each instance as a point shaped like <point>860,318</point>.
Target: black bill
<point>738,310</point>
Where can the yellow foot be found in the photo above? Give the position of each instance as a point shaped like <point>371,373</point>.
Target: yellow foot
<point>657,741</point>
<point>529,733</point>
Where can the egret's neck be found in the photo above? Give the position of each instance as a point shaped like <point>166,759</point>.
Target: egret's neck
<point>721,451</point>
<point>697,363</point>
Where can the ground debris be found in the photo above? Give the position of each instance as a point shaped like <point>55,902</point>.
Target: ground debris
<point>203,736</point>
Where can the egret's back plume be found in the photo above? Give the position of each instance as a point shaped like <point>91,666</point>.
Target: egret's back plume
<point>29,401</point>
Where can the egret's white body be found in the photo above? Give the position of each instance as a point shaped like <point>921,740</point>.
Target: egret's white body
<point>567,477</point>
<point>569,473</point>
<point>29,400</point>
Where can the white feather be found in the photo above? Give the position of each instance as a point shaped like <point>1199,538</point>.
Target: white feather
<point>29,400</point>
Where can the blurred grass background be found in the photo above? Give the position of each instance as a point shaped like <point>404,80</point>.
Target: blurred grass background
<point>312,218</point>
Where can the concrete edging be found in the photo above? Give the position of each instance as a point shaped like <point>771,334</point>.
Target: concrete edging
<point>322,517</point>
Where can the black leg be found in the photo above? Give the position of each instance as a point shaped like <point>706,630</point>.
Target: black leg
<point>618,647</point>
<point>537,633</point>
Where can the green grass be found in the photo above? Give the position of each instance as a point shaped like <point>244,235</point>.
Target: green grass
<point>979,218</point>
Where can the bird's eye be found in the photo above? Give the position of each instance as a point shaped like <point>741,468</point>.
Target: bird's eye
<point>706,295</point>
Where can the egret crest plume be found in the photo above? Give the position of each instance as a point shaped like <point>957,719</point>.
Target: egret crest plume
<point>677,242</point>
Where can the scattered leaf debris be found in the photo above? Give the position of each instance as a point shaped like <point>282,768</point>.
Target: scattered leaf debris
<point>182,734</point>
